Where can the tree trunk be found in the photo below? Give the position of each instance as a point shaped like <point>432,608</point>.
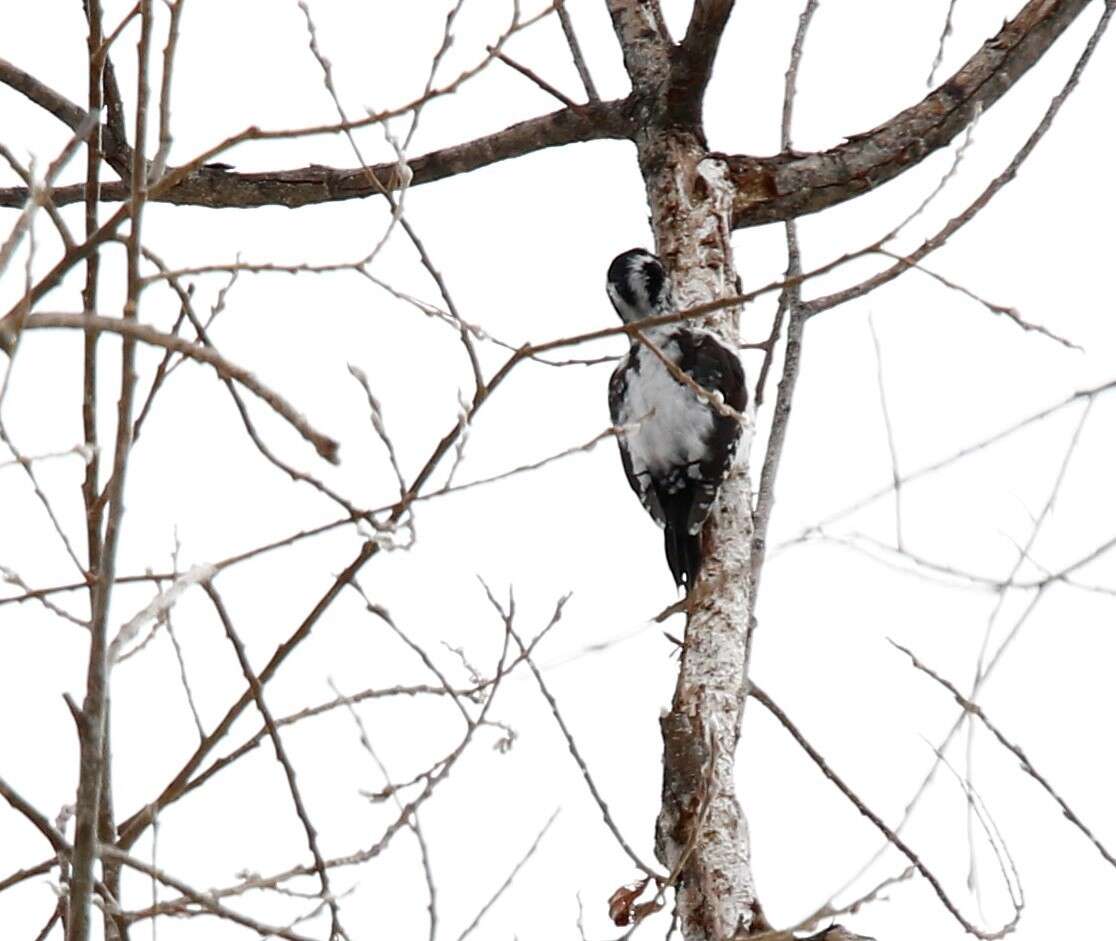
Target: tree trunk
<point>701,831</point>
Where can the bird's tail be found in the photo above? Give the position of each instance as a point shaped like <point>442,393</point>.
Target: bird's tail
<point>683,550</point>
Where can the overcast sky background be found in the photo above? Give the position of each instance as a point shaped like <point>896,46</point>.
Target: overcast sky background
<point>523,247</point>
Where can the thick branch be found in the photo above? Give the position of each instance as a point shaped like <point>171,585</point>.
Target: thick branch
<point>644,42</point>
<point>220,189</point>
<point>771,189</point>
<point>70,114</point>
<point>693,60</point>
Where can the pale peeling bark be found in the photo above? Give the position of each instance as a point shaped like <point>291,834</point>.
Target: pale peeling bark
<point>701,829</point>
<point>701,833</point>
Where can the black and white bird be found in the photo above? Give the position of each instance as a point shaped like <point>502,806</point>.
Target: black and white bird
<point>678,448</point>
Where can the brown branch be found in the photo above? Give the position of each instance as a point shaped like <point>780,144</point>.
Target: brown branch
<point>644,41</point>
<point>166,139</point>
<point>480,689</point>
<point>324,445</point>
<point>46,98</point>
<point>532,76</point>
<point>44,196</point>
<point>91,483</point>
<point>768,189</point>
<point>37,820</point>
<point>692,65</point>
<point>304,186</point>
<point>164,369</point>
<point>204,900</point>
<point>575,50</point>
<point>22,875</point>
<point>55,915</point>
<point>336,931</point>
<point>1001,309</point>
<point>131,829</point>
<point>432,781</point>
<point>508,616</point>
<point>156,577</point>
<point>789,185</point>
<point>94,797</point>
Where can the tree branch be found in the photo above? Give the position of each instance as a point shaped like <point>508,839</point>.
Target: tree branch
<point>644,42</point>
<point>304,186</point>
<point>575,50</point>
<point>771,189</point>
<point>324,445</point>
<point>693,59</point>
<point>69,113</point>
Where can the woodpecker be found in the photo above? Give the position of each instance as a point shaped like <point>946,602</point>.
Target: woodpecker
<point>678,448</point>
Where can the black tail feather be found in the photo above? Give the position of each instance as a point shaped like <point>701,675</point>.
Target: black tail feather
<point>683,550</point>
<point>683,553</point>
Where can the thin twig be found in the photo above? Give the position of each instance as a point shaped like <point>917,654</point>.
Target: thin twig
<point>533,76</point>
<point>972,708</point>
<point>508,616</point>
<point>510,879</point>
<point>896,479</point>
<point>143,333</point>
<point>575,50</point>
<point>336,931</point>
<point>892,837</point>
<point>1009,173</point>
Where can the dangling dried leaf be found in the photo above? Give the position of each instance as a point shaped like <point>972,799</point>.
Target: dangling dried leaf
<point>641,911</point>
<point>621,905</point>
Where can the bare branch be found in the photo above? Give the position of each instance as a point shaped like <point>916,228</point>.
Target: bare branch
<point>336,931</point>
<point>324,445</point>
<point>896,480</point>
<point>204,900</point>
<point>509,880</point>
<point>942,236</point>
<point>773,189</point>
<point>509,615</point>
<point>692,67</point>
<point>974,448</point>
<point>1010,312</point>
<point>575,50</point>
<point>221,188</point>
<point>972,708</point>
<point>93,782</point>
<point>533,76</point>
<point>892,837</point>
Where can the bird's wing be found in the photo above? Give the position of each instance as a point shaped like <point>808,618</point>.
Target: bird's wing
<point>713,366</point>
<point>640,483</point>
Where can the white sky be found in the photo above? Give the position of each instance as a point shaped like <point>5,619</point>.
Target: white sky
<point>523,247</point>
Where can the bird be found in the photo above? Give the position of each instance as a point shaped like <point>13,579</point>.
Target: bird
<point>676,447</point>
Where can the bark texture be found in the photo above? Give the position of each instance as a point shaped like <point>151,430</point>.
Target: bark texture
<point>701,833</point>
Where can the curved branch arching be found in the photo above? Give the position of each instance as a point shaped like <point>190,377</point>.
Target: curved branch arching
<point>774,189</point>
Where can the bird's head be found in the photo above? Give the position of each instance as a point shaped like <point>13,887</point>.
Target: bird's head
<point>638,285</point>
